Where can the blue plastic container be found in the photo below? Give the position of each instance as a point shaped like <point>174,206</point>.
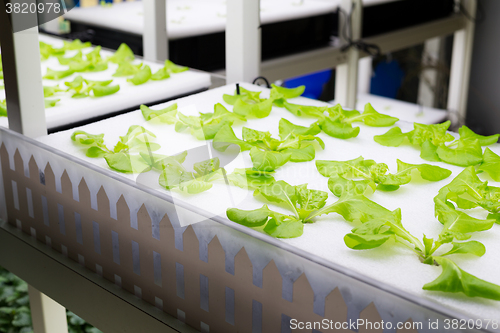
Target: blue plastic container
<point>314,83</point>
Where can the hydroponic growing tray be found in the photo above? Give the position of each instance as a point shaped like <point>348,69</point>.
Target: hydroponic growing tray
<point>384,16</point>
<point>70,110</point>
<point>217,275</point>
<point>288,26</point>
<point>196,28</point>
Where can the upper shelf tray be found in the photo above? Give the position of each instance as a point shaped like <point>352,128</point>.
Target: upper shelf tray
<point>196,28</point>
<point>288,26</point>
<point>70,110</point>
<point>188,18</point>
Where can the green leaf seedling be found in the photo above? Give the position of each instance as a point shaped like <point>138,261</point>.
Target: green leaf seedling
<point>268,153</point>
<point>337,122</point>
<point>369,173</point>
<point>83,88</point>
<point>436,144</point>
<point>491,164</point>
<point>207,125</point>
<point>3,108</point>
<point>129,155</point>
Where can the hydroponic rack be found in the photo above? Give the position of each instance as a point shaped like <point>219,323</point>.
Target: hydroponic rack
<point>100,302</point>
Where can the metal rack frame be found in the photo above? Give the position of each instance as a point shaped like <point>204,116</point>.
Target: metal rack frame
<point>99,301</point>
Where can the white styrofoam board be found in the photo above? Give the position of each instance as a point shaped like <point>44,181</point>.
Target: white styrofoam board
<point>187,18</point>
<point>391,263</point>
<point>403,110</point>
<point>70,110</point>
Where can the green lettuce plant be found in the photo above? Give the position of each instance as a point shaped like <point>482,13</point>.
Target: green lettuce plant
<point>457,228</point>
<point>369,173</point>
<point>305,205</point>
<point>203,127</point>
<point>249,104</point>
<point>166,115</point>
<point>82,88</point>
<point>15,313</point>
<point>49,91</point>
<point>50,103</point>
<point>337,122</point>
<point>141,76</point>
<point>175,175</point>
<point>126,68</point>
<point>172,68</point>
<point>3,108</point>
<point>491,164</point>
<point>131,154</point>
<point>122,54</point>
<point>134,153</point>
<point>92,62</point>
<point>206,126</point>
<point>47,51</point>
<point>57,75</point>
<point>467,191</point>
<point>300,200</point>
<point>75,45</point>
<point>250,179</point>
<point>436,144</point>
<point>142,73</point>
<point>280,95</point>
<point>167,70</point>
<point>307,111</point>
<point>377,226</point>
<point>267,153</point>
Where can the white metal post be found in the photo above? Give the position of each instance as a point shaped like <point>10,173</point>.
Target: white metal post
<point>46,314</point>
<point>22,73</point>
<point>460,66</point>
<point>365,73</point>
<point>26,113</point>
<point>346,79</point>
<point>429,77</point>
<point>243,43</point>
<point>154,36</point>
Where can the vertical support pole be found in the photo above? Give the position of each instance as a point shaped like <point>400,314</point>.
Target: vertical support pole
<point>429,77</point>
<point>460,66</point>
<point>243,40</point>
<point>365,72</point>
<point>26,113</point>
<point>346,79</point>
<point>47,315</point>
<point>22,73</point>
<point>154,36</point>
